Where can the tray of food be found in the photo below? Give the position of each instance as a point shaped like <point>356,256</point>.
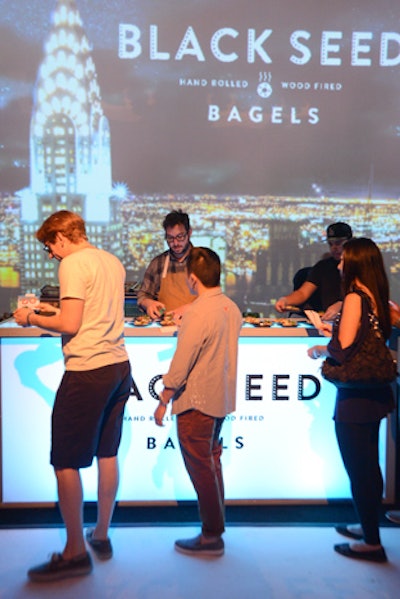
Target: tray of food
<point>287,322</point>
<point>251,319</point>
<point>264,322</point>
<point>259,321</point>
<point>167,322</point>
<point>142,321</point>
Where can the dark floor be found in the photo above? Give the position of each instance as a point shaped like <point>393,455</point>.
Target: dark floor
<point>186,513</point>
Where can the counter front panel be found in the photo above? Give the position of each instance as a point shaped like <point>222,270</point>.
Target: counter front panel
<point>279,445</point>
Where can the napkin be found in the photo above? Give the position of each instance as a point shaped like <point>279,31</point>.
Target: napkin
<point>314,318</point>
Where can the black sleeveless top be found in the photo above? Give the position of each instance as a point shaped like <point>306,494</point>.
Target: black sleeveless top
<point>359,405</point>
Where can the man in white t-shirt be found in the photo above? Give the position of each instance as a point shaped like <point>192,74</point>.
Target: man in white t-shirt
<point>90,401</point>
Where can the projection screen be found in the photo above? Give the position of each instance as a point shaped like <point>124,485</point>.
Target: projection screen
<point>265,121</point>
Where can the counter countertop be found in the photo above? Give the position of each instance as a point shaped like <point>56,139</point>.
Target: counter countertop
<point>9,328</point>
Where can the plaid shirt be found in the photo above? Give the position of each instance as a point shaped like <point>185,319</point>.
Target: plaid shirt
<point>151,283</point>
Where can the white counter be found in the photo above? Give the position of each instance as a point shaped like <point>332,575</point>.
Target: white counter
<point>279,445</point>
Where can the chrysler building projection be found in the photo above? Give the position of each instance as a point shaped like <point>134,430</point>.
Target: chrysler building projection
<point>70,158</point>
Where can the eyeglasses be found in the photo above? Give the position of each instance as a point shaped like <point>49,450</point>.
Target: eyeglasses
<point>179,237</point>
<point>48,251</point>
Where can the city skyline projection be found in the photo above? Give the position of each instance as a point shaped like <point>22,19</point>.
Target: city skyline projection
<point>121,113</point>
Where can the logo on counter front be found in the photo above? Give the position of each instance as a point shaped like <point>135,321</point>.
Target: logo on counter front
<point>278,389</point>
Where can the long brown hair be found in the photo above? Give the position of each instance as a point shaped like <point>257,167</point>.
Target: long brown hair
<point>362,260</point>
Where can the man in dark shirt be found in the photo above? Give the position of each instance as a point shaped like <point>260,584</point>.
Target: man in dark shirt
<point>323,276</point>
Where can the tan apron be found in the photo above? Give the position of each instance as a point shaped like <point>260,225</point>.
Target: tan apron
<point>174,290</point>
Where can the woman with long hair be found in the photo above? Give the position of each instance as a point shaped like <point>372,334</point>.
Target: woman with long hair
<point>360,409</point>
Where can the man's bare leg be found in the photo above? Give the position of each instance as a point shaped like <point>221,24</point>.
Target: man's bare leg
<point>70,497</point>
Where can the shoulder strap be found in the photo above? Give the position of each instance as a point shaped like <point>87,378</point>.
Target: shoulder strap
<point>368,315</point>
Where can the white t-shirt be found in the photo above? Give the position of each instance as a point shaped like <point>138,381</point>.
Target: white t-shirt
<point>97,277</point>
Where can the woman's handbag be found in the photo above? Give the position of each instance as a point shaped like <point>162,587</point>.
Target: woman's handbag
<point>371,365</point>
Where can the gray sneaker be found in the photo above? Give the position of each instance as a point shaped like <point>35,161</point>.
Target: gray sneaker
<point>58,568</point>
<point>101,547</point>
<point>197,546</point>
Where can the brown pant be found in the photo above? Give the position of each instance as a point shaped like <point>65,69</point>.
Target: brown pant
<point>199,439</point>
